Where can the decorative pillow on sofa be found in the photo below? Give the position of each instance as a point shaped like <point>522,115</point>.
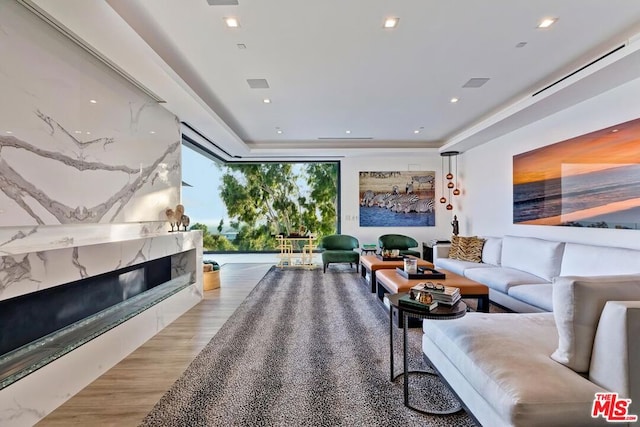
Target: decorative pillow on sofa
<point>466,248</point>
<point>577,304</point>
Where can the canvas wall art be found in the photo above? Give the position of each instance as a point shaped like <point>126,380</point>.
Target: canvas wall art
<point>592,180</point>
<point>397,199</point>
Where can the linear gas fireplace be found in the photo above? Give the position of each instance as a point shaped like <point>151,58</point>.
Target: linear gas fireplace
<point>77,299</point>
<point>41,326</point>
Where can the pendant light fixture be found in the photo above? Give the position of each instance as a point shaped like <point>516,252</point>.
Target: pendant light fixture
<point>450,177</point>
<point>443,199</point>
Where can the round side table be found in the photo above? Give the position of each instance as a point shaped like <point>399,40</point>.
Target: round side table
<point>442,312</point>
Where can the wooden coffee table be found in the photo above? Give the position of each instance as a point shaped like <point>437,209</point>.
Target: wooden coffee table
<point>371,264</point>
<point>390,282</point>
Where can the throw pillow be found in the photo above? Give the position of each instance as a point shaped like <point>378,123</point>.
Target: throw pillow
<point>453,249</point>
<point>466,248</point>
<point>577,304</point>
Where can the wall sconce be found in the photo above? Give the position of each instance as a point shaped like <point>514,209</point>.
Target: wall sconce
<point>453,188</point>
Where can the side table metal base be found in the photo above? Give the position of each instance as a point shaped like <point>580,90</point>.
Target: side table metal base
<point>406,372</point>
<point>454,410</point>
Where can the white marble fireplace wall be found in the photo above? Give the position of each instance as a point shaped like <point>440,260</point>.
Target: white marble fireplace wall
<point>88,165</point>
<point>78,143</point>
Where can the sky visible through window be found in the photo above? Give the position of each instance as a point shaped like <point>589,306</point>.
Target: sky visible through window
<point>201,201</point>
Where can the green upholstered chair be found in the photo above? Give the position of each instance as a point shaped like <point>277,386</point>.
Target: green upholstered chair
<point>339,248</point>
<point>400,242</point>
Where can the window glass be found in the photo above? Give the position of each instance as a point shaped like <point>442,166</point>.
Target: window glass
<point>242,206</point>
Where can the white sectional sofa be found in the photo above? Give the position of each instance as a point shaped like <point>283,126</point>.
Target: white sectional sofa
<point>519,271</point>
<point>544,368</point>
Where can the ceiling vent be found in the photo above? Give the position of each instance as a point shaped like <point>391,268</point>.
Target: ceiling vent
<point>222,2</point>
<point>258,83</point>
<point>476,82</point>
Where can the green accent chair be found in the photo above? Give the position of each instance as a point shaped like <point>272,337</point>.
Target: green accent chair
<point>400,242</point>
<point>339,248</point>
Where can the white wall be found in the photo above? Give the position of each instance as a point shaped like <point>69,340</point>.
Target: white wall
<point>487,204</point>
<point>350,197</point>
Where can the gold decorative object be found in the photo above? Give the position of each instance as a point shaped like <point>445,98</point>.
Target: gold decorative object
<point>179,211</point>
<point>171,216</point>
<point>425,298</point>
<point>176,217</point>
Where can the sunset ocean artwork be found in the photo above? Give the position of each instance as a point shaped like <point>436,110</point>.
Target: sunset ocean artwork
<point>592,180</point>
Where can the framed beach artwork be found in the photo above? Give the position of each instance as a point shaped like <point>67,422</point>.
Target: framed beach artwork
<point>397,199</point>
<point>592,180</point>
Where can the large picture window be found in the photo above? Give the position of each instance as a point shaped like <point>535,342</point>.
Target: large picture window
<point>242,206</point>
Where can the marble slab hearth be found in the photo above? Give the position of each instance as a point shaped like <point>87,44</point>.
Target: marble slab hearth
<point>45,258</point>
<point>35,258</point>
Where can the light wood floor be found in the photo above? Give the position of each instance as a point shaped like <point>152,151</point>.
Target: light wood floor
<point>126,393</point>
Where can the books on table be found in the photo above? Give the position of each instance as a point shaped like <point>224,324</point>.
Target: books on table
<point>406,301</point>
<point>447,296</point>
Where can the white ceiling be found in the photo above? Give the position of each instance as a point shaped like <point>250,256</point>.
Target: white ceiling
<point>331,66</point>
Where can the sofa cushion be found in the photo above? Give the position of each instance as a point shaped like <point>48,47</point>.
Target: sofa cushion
<point>453,247</point>
<point>492,250</point>
<point>466,248</point>
<point>536,256</point>
<point>457,266</point>
<point>577,304</point>
<point>501,355</point>
<point>502,278</point>
<point>616,350</point>
<point>539,295</point>
<point>591,260</point>
<point>329,256</point>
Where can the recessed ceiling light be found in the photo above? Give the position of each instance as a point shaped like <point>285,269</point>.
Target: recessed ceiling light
<point>416,131</point>
<point>347,131</point>
<point>614,131</point>
<point>391,22</point>
<point>547,22</point>
<point>77,131</point>
<point>279,131</point>
<point>93,101</point>
<point>152,132</point>
<point>454,100</point>
<point>232,22</point>
<point>9,132</point>
<point>266,101</point>
<point>88,133</point>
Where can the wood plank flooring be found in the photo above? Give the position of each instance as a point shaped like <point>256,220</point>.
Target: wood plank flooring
<point>125,394</point>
